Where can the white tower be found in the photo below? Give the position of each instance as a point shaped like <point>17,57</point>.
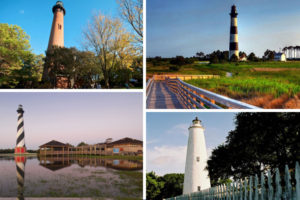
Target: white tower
<point>196,176</point>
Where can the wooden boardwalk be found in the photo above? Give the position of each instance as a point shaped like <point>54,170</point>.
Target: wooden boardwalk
<point>161,97</point>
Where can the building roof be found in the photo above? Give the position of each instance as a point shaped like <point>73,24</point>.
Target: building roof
<point>54,143</point>
<point>279,54</point>
<point>126,141</point>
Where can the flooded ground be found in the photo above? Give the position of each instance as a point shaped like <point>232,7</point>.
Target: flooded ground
<point>70,177</point>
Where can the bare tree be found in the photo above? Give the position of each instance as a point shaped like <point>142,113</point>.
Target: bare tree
<point>111,43</point>
<point>132,12</point>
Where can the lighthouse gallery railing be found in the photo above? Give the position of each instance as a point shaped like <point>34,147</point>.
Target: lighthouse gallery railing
<point>253,188</point>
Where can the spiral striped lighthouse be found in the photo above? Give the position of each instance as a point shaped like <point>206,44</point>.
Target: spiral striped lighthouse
<point>195,175</point>
<point>234,43</point>
<point>20,148</point>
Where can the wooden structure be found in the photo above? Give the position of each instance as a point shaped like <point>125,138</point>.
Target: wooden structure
<point>125,146</point>
<point>253,188</point>
<point>174,93</point>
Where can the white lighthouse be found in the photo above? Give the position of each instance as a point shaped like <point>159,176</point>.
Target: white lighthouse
<point>196,176</point>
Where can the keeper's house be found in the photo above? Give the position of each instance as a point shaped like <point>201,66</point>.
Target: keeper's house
<point>125,146</point>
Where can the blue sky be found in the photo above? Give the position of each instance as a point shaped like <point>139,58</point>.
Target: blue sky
<point>176,27</point>
<point>167,137</point>
<point>71,117</point>
<point>35,17</point>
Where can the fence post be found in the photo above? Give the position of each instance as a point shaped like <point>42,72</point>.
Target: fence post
<point>256,187</point>
<point>250,188</point>
<point>262,185</point>
<point>297,177</point>
<point>288,186</point>
<point>246,188</point>
<point>270,187</point>
<point>278,185</point>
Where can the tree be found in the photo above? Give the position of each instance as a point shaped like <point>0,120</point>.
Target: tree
<point>269,55</point>
<point>81,144</point>
<point>259,142</point>
<point>77,66</point>
<point>173,185</point>
<point>111,43</point>
<point>234,58</point>
<point>14,52</point>
<point>200,55</point>
<point>154,186</point>
<point>132,12</point>
<point>252,57</point>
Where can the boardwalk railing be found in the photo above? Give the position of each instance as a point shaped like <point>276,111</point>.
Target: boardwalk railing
<point>195,98</point>
<point>149,86</point>
<point>249,189</point>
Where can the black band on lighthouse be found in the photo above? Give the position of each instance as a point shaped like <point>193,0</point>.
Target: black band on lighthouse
<point>234,46</point>
<point>233,30</point>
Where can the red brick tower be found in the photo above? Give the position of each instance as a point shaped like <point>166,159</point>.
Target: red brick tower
<point>57,30</point>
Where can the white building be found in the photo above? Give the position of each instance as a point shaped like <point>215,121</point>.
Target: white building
<point>196,176</point>
<point>280,57</point>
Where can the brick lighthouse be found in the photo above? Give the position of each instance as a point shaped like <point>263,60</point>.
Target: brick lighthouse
<point>57,30</point>
<point>20,144</point>
<point>196,176</point>
<point>234,43</point>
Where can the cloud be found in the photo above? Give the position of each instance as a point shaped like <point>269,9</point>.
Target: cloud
<point>179,129</point>
<point>166,159</point>
<point>21,12</point>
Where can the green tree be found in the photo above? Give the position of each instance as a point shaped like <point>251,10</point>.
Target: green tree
<point>154,186</point>
<point>260,141</point>
<point>15,50</point>
<point>77,66</point>
<point>252,57</point>
<point>269,55</point>
<point>234,58</point>
<point>81,144</point>
<point>173,185</point>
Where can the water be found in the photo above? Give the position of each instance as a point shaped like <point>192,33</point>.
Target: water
<point>70,177</point>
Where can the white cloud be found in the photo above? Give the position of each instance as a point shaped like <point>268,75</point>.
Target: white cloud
<point>179,129</point>
<point>21,12</point>
<point>166,159</point>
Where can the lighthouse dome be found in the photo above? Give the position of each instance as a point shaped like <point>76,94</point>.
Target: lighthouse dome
<point>59,5</point>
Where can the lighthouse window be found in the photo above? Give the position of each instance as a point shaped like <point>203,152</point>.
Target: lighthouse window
<point>59,26</point>
<point>198,158</point>
<point>199,188</point>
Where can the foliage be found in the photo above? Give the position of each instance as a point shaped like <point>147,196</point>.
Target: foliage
<point>252,57</point>
<point>78,67</point>
<point>19,67</point>
<point>111,43</point>
<point>259,142</point>
<point>234,58</point>
<point>82,144</point>
<point>269,55</point>
<point>161,187</point>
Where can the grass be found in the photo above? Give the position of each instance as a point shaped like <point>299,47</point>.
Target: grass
<point>249,80</point>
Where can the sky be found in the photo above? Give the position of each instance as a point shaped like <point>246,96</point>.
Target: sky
<point>35,17</point>
<point>176,27</point>
<point>71,117</point>
<point>167,137</point>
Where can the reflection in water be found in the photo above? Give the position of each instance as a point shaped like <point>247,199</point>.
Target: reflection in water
<point>20,164</point>
<point>72,176</point>
<point>57,162</point>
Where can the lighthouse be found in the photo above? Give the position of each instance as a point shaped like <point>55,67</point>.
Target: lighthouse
<point>196,176</point>
<point>234,43</point>
<point>57,29</point>
<point>20,144</point>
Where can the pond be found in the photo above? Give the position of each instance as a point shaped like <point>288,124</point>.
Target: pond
<point>70,177</point>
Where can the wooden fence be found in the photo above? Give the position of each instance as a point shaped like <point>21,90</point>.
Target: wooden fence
<point>253,188</point>
<point>197,98</point>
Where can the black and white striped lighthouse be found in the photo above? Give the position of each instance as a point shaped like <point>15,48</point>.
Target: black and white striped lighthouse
<point>20,145</point>
<point>234,43</point>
